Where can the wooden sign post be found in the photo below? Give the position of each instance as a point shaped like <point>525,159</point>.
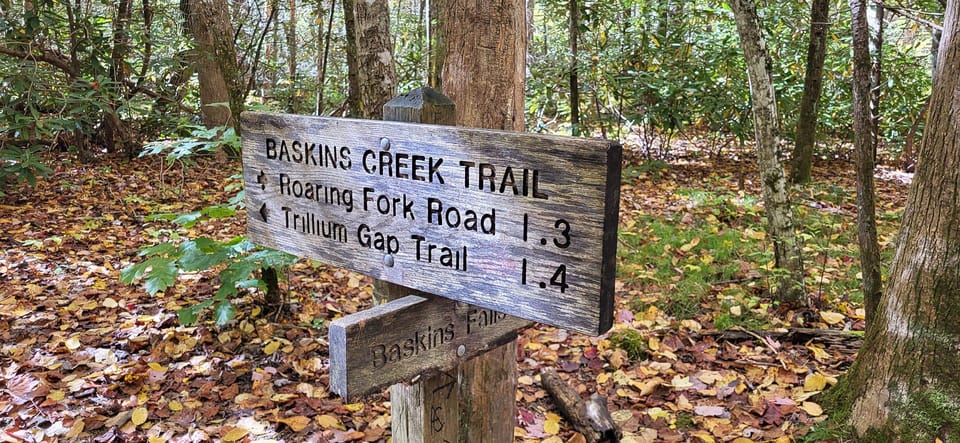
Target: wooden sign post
<point>512,226</point>
<point>524,224</point>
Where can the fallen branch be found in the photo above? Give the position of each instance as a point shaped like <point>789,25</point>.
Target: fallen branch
<point>591,418</point>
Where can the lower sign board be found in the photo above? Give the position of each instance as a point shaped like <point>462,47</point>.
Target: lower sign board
<point>523,224</point>
<point>409,337</point>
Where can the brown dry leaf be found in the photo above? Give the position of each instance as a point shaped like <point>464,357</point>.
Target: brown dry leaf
<point>328,421</point>
<point>832,318</point>
<point>235,434</point>
<point>811,408</point>
<point>26,387</point>
<point>296,423</point>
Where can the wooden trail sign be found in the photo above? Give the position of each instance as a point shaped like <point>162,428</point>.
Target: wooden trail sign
<point>407,338</point>
<point>520,223</point>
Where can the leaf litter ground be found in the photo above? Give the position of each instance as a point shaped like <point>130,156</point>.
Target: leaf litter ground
<point>85,358</point>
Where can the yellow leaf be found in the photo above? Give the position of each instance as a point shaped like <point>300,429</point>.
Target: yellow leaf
<point>525,380</point>
<point>235,434</point>
<point>271,347</point>
<point>811,408</point>
<point>56,395</point>
<point>156,366</point>
<point>110,303</point>
<point>353,282</point>
<point>703,435</point>
<point>819,353</point>
<point>175,406</point>
<point>693,243</point>
<point>742,440</point>
<point>73,343</point>
<point>327,421</point>
<point>354,407</point>
<point>76,429</point>
<point>603,377</point>
<point>157,440</point>
<point>832,318</point>
<point>551,427</point>
<point>296,423</point>
<point>814,382</point>
<point>550,416</point>
<point>139,416</point>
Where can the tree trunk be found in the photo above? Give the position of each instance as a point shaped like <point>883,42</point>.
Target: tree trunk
<point>209,23</point>
<point>483,72</point>
<point>325,55</point>
<point>875,14</point>
<point>292,101</point>
<point>369,46</point>
<point>574,28</point>
<point>812,85</point>
<point>776,201</point>
<point>112,130</point>
<point>484,61</point>
<point>863,140</point>
<point>905,383</point>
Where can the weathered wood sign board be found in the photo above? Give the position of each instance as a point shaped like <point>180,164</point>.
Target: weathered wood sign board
<point>520,223</point>
<point>408,337</point>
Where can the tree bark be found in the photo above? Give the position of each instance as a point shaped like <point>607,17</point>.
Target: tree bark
<point>776,201</point>
<point>863,140</point>
<point>812,86</point>
<point>484,61</point>
<point>905,383</point>
<point>875,24</point>
<point>574,34</point>
<point>325,55</point>
<point>209,23</point>
<point>369,46</point>
<point>292,101</point>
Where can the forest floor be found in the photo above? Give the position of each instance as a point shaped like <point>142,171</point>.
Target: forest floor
<point>698,351</point>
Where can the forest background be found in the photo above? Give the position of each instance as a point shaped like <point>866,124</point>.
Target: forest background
<point>114,92</point>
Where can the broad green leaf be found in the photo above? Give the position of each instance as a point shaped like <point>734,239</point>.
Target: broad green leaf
<point>224,312</point>
<point>163,272</point>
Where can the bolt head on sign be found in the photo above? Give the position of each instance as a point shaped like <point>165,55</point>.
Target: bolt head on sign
<point>524,224</point>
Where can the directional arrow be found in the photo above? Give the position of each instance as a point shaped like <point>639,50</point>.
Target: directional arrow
<point>263,212</point>
<point>262,179</point>
<point>448,385</point>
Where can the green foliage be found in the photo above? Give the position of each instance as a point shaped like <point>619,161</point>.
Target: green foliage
<point>202,140</point>
<point>631,341</point>
<point>19,166</point>
<point>239,261</point>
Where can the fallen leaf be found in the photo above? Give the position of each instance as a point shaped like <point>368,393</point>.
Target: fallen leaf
<point>235,434</point>
<point>327,421</point>
<point>271,347</point>
<point>811,408</point>
<point>814,382</point>
<point>296,423</point>
<point>832,318</point>
<point>139,416</point>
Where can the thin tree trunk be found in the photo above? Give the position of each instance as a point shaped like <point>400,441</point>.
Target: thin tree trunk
<point>905,383</point>
<point>112,129</point>
<point>864,146</point>
<point>292,101</point>
<point>812,86</point>
<point>354,97</point>
<point>875,15</point>
<point>322,63</point>
<point>574,34</point>
<point>776,201</point>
